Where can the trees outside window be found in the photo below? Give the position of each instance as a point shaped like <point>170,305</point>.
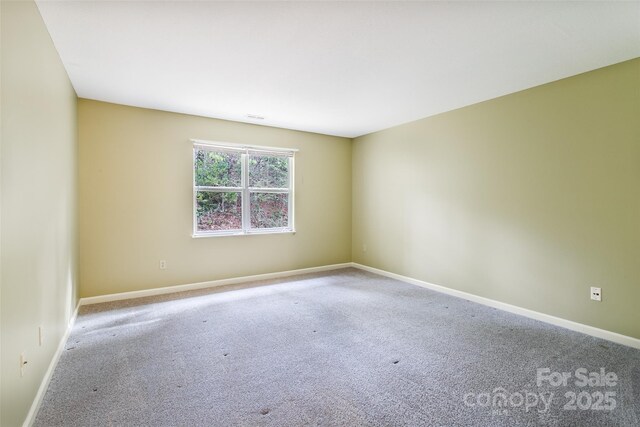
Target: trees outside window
<point>241,190</point>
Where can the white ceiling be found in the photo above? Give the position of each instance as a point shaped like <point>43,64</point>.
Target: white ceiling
<point>338,68</point>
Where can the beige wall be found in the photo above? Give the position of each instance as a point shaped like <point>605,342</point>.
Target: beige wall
<point>528,199</point>
<point>38,191</point>
<point>136,201</point>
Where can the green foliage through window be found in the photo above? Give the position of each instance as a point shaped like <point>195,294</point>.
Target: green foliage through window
<point>221,195</point>
<point>219,211</point>
<point>269,210</point>
<point>268,171</point>
<point>218,169</point>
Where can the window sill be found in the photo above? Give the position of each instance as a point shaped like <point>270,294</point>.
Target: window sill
<point>241,233</point>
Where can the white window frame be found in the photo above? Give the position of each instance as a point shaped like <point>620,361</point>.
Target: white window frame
<point>245,190</point>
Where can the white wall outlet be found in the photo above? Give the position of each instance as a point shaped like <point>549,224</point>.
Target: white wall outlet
<point>364,247</point>
<point>23,364</point>
<point>596,294</point>
<point>163,264</point>
<point>40,336</point>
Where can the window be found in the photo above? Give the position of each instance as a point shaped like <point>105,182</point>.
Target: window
<point>241,189</point>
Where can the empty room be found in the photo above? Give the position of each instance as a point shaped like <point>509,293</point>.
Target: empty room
<point>319,213</point>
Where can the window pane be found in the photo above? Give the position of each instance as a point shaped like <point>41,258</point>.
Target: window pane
<point>269,210</point>
<point>218,211</point>
<point>268,171</point>
<point>218,168</point>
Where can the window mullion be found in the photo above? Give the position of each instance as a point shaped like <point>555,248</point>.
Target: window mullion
<point>290,219</point>
<point>219,189</point>
<point>268,190</point>
<point>246,217</point>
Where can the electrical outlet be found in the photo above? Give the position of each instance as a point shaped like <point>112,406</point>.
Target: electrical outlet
<point>23,364</point>
<point>163,264</point>
<point>40,336</point>
<point>596,294</point>
<point>364,247</point>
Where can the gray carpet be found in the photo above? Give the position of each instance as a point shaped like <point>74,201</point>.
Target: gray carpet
<point>338,348</point>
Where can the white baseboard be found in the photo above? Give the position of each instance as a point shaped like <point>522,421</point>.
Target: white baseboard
<point>44,384</point>
<point>547,318</point>
<point>209,284</point>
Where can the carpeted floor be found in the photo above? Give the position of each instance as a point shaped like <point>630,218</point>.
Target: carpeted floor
<point>344,348</point>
